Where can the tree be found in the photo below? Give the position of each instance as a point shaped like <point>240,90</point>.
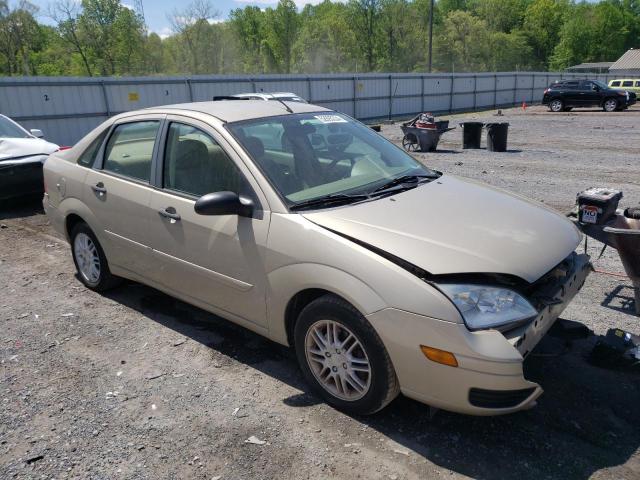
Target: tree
<point>66,14</point>
<point>463,43</point>
<point>192,25</point>
<point>281,29</point>
<point>248,26</point>
<point>365,15</point>
<point>543,21</point>
<point>325,42</point>
<point>19,36</point>
<point>501,15</point>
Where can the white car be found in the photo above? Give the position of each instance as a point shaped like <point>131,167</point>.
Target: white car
<point>282,96</point>
<point>22,154</point>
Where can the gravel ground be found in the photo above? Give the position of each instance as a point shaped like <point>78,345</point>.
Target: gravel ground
<point>134,384</point>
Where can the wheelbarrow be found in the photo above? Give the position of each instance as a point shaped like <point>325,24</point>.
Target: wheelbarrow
<point>622,232</point>
<point>422,138</point>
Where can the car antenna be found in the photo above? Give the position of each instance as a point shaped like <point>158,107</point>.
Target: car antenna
<point>283,104</point>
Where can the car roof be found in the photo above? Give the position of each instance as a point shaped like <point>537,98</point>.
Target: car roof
<point>237,110</point>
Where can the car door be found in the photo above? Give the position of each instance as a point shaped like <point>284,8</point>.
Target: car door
<point>216,260</point>
<point>118,191</point>
<point>590,94</point>
<point>568,92</point>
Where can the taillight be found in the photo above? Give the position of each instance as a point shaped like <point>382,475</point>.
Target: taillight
<point>60,149</point>
<point>546,90</point>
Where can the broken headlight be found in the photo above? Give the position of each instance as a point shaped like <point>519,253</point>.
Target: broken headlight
<point>484,307</point>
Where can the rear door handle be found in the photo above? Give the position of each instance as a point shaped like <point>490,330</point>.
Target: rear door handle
<point>170,213</point>
<point>99,188</point>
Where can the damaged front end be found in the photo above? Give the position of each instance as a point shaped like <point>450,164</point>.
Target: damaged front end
<point>550,295</point>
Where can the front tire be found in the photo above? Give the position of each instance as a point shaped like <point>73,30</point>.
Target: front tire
<point>342,357</point>
<point>90,260</point>
<point>556,105</point>
<point>610,105</point>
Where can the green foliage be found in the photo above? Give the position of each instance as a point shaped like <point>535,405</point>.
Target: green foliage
<point>105,37</point>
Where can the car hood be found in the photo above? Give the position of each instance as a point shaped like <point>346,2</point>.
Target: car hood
<point>452,225</point>
<point>23,147</point>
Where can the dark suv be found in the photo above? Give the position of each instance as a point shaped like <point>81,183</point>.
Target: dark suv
<point>564,95</point>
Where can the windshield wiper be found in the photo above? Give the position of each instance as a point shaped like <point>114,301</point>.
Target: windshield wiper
<point>328,200</point>
<point>413,180</point>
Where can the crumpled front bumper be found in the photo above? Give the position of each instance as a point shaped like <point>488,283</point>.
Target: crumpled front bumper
<point>489,379</point>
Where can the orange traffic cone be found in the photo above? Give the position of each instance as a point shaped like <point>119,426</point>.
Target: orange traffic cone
<point>524,105</point>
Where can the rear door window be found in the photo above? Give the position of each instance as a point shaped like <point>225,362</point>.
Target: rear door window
<point>88,157</point>
<point>130,149</point>
<point>627,83</point>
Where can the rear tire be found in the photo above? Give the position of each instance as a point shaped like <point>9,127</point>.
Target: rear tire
<point>556,105</point>
<point>610,105</point>
<point>342,357</point>
<point>90,260</point>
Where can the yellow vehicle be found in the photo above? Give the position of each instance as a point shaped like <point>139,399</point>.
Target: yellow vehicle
<point>630,84</point>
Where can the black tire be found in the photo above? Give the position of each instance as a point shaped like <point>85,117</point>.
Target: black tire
<point>556,105</point>
<point>383,386</point>
<point>610,104</point>
<point>106,279</point>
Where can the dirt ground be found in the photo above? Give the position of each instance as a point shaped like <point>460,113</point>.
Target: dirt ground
<point>134,384</point>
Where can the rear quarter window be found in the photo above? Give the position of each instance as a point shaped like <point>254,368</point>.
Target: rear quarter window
<point>88,157</point>
<point>637,83</point>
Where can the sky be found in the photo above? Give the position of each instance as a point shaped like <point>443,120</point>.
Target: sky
<point>156,11</point>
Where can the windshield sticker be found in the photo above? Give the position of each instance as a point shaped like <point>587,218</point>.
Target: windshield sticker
<point>330,118</point>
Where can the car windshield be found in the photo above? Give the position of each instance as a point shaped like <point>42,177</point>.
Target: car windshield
<point>325,155</point>
<point>8,129</point>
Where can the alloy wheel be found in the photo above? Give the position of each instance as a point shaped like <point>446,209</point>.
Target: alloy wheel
<point>610,105</point>
<point>338,360</point>
<point>87,258</point>
<point>556,105</point>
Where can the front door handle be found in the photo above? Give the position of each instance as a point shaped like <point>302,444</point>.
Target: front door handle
<point>170,213</point>
<point>99,188</point>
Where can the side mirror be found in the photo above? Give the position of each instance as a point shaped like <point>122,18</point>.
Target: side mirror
<point>595,87</point>
<point>37,133</point>
<point>224,203</point>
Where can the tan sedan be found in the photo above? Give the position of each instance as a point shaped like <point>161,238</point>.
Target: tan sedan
<point>307,227</point>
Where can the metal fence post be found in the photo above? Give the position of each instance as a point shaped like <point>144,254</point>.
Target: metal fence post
<point>355,95</point>
<point>451,90</point>
<point>495,90</point>
<point>533,85</point>
<point>390,96</point>
<point>475,90</point>
<point>106,98</point>
<point>515,88</point>
<point>309,89</point>
<point>189,89</point>
<point>422,93</point>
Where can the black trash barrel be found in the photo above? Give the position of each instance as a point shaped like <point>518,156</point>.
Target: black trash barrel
<point>471,134</point>
<point>497,137</point>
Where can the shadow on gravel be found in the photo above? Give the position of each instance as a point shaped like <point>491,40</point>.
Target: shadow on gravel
<point>585,422</point>
<point>619,301</point>
<point>21,207</point>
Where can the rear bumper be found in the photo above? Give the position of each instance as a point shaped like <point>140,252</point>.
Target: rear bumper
<point>489,379</point>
